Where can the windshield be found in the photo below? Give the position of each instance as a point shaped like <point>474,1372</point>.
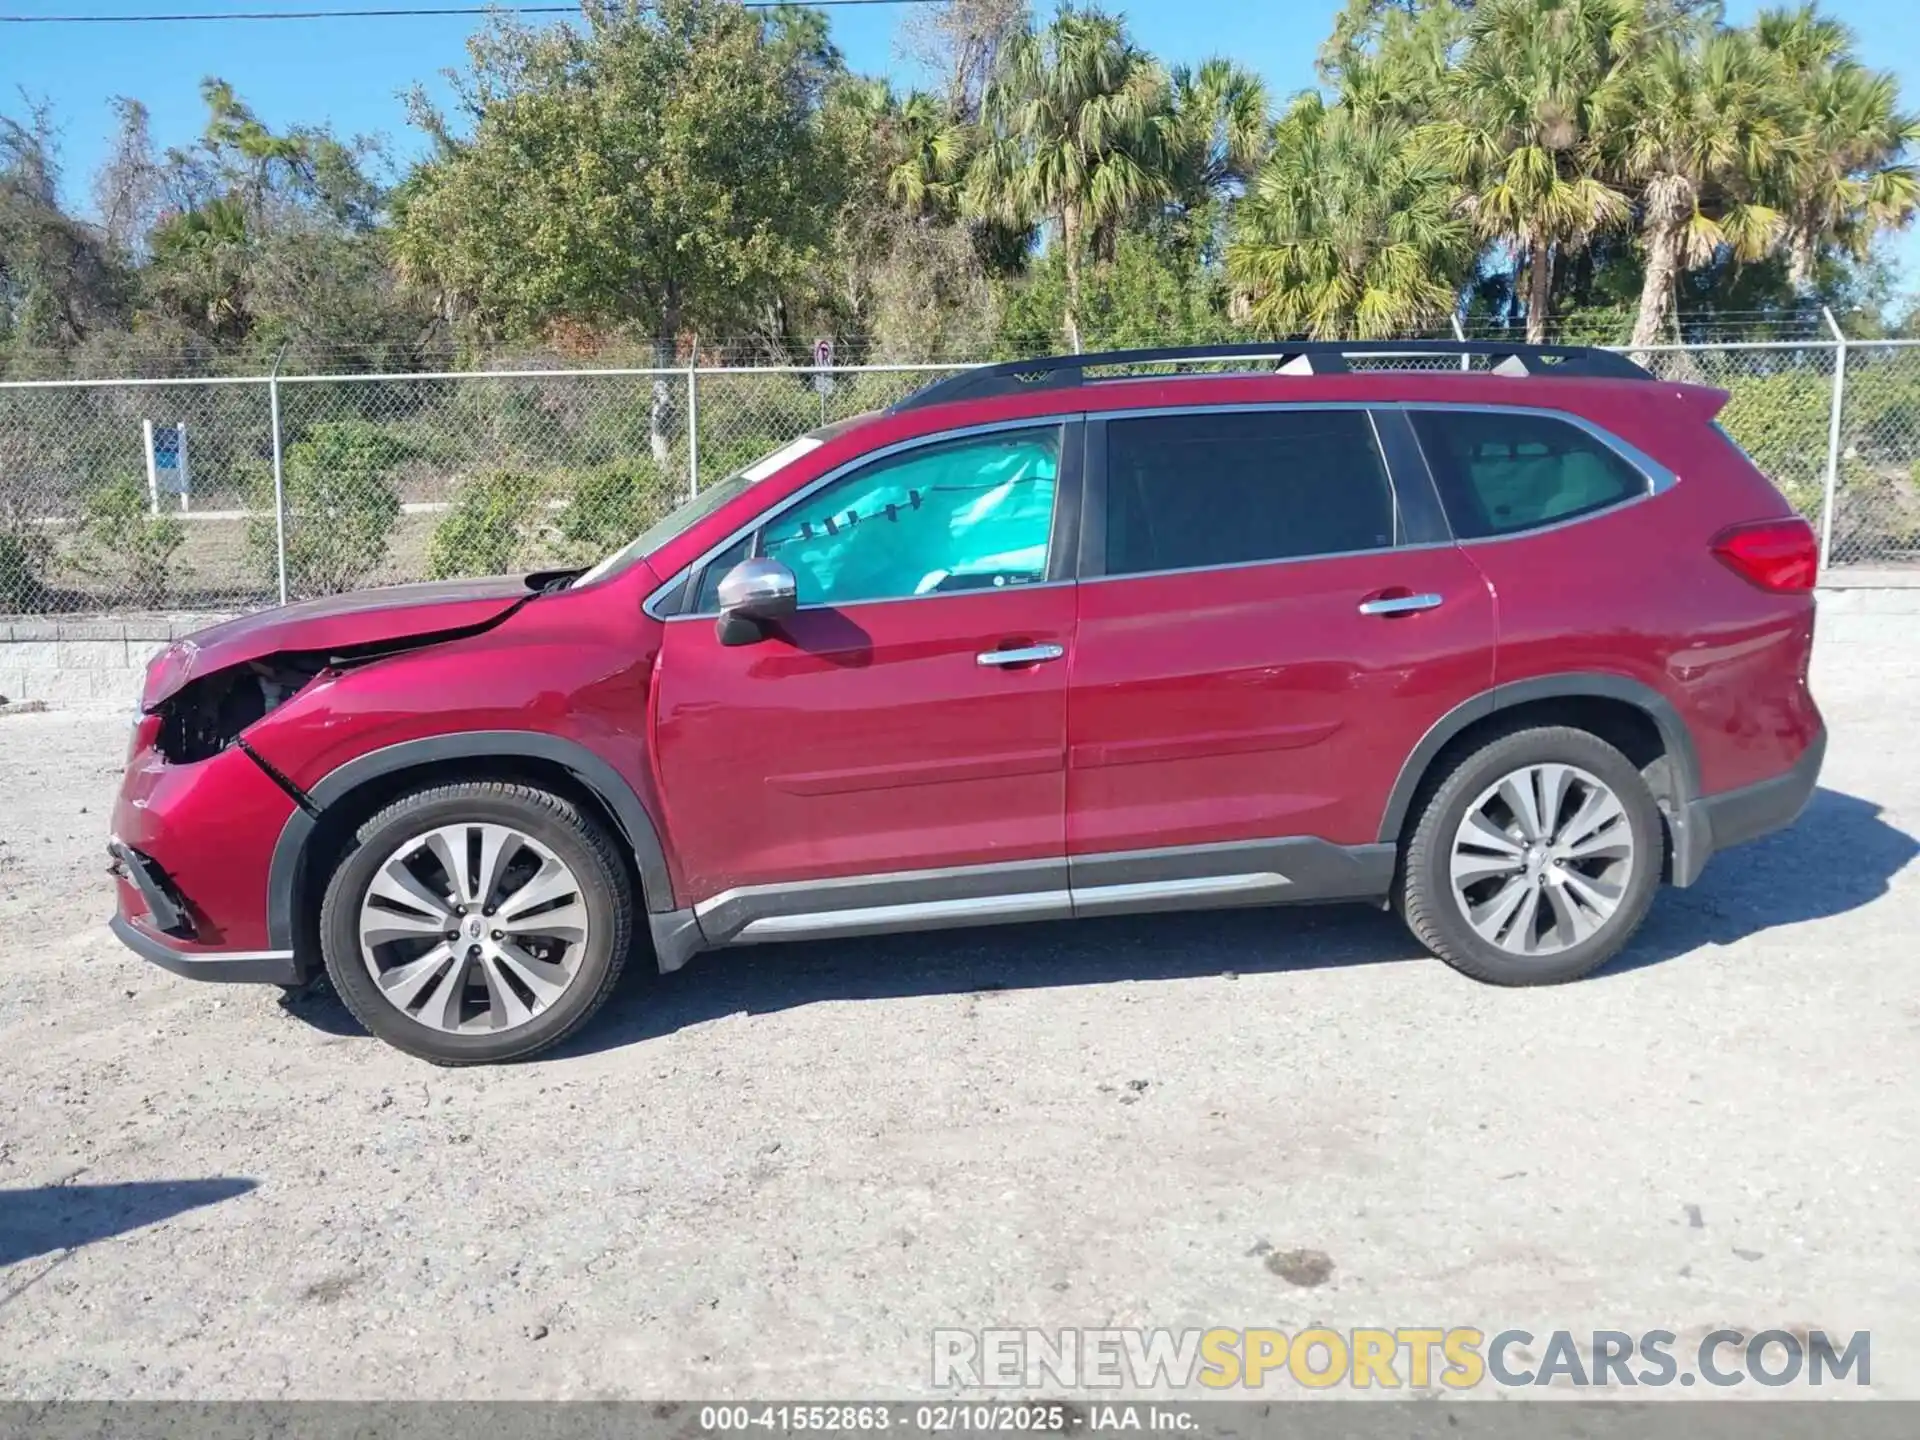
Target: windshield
<point>696,508</point>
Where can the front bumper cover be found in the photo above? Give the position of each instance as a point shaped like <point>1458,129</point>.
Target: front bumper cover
<point>258,967</point>
<point>167,935</point>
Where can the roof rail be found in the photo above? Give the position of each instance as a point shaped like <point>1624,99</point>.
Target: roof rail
<point>1290,357</point>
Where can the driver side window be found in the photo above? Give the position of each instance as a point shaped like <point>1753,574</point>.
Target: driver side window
<point>967,514</point>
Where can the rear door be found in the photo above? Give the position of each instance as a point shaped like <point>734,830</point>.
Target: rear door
<point>1270,619</point>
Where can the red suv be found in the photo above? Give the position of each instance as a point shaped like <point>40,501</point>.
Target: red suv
<point>1503,643</point>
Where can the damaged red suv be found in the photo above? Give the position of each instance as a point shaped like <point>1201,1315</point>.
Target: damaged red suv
<point>1504,646</point>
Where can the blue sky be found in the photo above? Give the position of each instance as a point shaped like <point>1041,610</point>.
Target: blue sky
<point>352,73</point>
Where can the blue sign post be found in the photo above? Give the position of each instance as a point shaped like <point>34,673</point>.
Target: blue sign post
<point>167,472</point>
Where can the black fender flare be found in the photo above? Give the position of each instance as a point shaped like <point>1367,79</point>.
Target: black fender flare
<point>600,778</point>
<point>1684,766</point>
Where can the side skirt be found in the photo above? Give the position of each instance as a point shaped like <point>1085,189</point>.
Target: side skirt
<point>1291,870</point>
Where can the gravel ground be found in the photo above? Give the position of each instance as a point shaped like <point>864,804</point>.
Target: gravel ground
<point>774,1173</point>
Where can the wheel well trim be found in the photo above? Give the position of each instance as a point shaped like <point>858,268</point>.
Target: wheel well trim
<point>599,778</point>
<point>1674,735</point>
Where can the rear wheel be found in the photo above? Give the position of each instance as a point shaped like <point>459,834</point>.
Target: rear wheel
<point>1535,860</point>
<point>477,922</point>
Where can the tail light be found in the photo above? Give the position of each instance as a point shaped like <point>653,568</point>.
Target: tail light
<point>1777,555</point>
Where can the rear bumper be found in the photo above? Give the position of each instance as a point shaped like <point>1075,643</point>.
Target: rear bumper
<point>1733,817</point>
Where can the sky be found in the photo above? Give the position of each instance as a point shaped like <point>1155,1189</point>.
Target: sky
<point>353,74</point>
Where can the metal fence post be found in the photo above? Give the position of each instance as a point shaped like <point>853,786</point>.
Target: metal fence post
<point>693,426</point>
<point>1460,334</point>
<point>1833,441</point>
<point>279,475</point>
<point>153,473</point>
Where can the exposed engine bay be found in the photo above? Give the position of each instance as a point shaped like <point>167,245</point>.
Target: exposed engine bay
<point>207,715</point>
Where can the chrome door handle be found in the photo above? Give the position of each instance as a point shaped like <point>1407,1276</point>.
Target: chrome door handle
<point>1399,604</point>
<point>1025,655</point>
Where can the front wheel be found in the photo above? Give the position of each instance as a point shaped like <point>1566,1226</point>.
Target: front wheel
<point>1535,860</point>
<point>477,922</point>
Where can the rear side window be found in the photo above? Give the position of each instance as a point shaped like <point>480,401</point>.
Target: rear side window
<point>1502,471</point>
<point>1234,487</point>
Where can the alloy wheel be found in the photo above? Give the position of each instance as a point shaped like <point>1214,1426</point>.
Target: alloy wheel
<point>473,927</point>
<point>1541,859</point>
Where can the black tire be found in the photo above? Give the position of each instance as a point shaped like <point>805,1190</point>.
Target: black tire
<point>553,822</point>
<point>1426,897</point>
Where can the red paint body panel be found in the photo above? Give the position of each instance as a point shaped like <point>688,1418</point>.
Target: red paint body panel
<point>1636,591</point>
<point>865,739</point>
<point>575,664</point>
<point>333,622</point>
<point>1257,702</point>
<point>211,826</point>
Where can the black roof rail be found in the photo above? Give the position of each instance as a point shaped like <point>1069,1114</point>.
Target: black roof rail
<point>1294,357</point>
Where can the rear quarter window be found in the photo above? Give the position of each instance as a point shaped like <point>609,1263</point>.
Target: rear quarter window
<point>1500,472</point>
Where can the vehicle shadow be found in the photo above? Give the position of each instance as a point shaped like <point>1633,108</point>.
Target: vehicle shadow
<point>1838,856</point>
<point>46,1218</point>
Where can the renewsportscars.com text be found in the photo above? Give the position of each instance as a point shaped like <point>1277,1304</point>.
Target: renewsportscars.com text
<point>1401,1357</point>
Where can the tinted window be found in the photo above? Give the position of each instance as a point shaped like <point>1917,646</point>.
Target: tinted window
<point>1505,471</point>
<point>1237,486</point>
<point>970,514</point>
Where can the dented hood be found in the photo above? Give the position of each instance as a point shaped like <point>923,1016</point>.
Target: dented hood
<point>333,624</point>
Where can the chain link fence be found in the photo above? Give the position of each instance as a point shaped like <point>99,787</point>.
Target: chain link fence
<point>301,485</point>
<point>1837,427</point>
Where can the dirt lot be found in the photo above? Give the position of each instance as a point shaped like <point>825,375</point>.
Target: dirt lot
<point>775,1172</point>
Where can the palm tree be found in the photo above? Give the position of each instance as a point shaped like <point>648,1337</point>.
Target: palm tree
<point>1351,227</point>
<point>920,149</point>
<point>232,125</point>
<point>1522,115</point>
<point>1071,139</point>
<point>928,151</point>
<point>200,264</point>
<point>1393,60</point>
<point>1700,125</point>
<point>1845,178</point>
<point>1215,132</point>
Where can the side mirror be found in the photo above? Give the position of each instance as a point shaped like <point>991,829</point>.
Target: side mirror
<point>752,592</point>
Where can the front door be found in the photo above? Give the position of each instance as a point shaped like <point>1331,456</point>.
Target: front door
<point>898,745</point>
<point>1263,651</point>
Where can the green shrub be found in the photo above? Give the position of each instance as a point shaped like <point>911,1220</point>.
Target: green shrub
<point>24,556</point>
<point>125,541</point>
<point>743,417</point>
<point>611,505</point>
<point>341,506</point>
<point>485,530</point>
<point>610,424</point>
<point>1781,421</point>
<point>1146,295</point>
